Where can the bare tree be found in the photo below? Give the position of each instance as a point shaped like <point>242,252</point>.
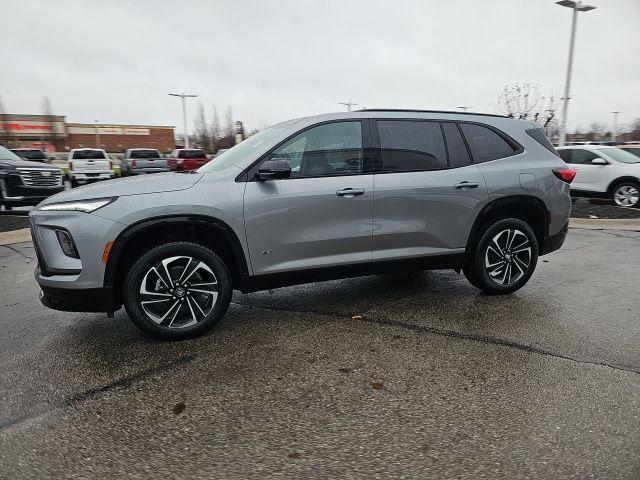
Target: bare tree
<point>526,102</point>
<point>228,120</point>
<point>214,129</point>
<point>50,118</point>
<point>597,132</point>
<point>201,133</point>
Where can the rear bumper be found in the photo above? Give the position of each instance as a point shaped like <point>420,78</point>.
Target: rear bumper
<point>79,300</point>
<point>554,242</point>
<point>91,176</point>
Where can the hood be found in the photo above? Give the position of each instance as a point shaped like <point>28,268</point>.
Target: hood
<point>5,162</point>
<point>122,187</point>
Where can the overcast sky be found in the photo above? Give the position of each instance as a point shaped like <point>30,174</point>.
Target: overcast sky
<point>115,61</point>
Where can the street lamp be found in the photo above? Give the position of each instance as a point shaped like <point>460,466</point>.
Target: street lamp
<point>614,131</point>
<point>184,114</point>
<point>576,7</point>
<point>348,104</point>
<point>97,135</point>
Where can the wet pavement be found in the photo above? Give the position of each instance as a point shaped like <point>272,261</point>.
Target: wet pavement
<point>415,375</point>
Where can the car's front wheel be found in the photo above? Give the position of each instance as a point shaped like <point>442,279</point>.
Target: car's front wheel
<point>626,194</point>
<point>177,290</point>
<point>504,258</point>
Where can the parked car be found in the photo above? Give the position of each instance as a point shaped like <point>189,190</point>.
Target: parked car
<point>89,165</point>
<point>632,148</point>
<point>183,159</point>
<point>25,183</point>
<point>138,161</point>
<point>317,198</point>
<point>31,154</point>
<point>604,172</point>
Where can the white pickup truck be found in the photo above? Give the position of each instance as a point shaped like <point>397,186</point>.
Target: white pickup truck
<point>89,165</point>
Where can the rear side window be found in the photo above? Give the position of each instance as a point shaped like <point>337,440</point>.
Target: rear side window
<point>145,154</point>
<point>410,146</point>
<point>88,155</point>
<point>485,144</point>
<point>458,154</point>
<point>540,136</point>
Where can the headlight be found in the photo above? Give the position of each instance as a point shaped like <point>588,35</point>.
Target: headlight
<point>86,206</point>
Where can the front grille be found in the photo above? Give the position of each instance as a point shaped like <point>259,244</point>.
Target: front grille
<point>35,177</point>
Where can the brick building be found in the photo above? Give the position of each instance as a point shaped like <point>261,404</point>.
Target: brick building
<point>53,134</point>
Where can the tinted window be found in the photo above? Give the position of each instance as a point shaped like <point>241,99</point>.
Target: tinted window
<point>578,156</point>
<point>540,136</point>
<point>620,155</point>
<point>30,154</point>
<point>411,145</point>
<point>331,149</point>
<point>191,154</point>
<point>635,151</point>
<point>88,155</point>
<point>458,154</point>
<point>485,144</point>
<point>144,154</point>
<point>565,155</point>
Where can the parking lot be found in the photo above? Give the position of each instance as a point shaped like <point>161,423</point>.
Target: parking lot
<point>391,376</point>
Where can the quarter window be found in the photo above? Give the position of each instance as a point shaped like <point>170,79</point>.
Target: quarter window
<point>485,144</point>
<point>458,154</point>
<point>325,150</point>
<point>410,146</point>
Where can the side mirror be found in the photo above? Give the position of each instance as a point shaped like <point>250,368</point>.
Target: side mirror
<point>273,170</point>
<point>599,161</point>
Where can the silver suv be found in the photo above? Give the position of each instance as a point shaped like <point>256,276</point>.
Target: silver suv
<point>336,195</point>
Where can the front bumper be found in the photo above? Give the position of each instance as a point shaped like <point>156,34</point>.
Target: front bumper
<point>16,194</point>
<point>79,300</point>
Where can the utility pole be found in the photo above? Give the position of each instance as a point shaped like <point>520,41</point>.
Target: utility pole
<point>97,135</point>
<point>348,104</point>
<point>184,114</point>
<point>576,7</point>
<point>614,132</point>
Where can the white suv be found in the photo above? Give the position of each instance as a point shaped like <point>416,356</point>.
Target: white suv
<point>89,165</point>
<point>606,172</point>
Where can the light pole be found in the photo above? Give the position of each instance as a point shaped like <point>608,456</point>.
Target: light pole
<point>97,135</point>
<point>184,114</point>
<point>576,7</point>
<point>614,132</point>
<point>348,104</point>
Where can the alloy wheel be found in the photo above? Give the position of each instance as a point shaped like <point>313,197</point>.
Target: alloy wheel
<point>178,292</point>
<point>626,196</point>
<point>508,257</point>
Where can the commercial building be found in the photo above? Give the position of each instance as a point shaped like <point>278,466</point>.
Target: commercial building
<point>53,134</point>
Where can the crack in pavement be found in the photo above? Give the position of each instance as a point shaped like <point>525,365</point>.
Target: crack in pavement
<point>124,382</point>
<point>18,252</point>
<point>459,335</point>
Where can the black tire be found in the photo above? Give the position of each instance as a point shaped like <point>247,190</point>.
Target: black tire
<point>626,187</point>
<point>74,182</point>
<point>141,271</point>
<point>503,267</point>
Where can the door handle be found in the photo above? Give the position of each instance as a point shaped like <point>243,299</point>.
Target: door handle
<point>467,185</point>
<point>350,192</point>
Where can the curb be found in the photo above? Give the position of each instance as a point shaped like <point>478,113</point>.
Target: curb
<point>633,225</point>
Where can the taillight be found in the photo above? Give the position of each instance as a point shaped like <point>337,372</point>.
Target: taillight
<point>70,165</point>
<point>565,174</point>
<point>133,164</point>
<point>110,165</point>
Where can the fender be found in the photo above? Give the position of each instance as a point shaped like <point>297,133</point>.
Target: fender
<point>131,231</point>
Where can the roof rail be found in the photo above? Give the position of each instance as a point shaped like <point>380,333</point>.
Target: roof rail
<point>429,111</point>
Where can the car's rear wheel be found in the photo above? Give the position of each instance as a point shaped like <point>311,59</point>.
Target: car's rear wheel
<point>626,194</point>
<point>177,290</point>
<point>504,258</point>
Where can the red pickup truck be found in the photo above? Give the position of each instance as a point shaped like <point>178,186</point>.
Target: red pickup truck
<point>183,159</point>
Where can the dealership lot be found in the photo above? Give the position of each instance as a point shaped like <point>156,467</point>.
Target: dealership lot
<point>373,377</point>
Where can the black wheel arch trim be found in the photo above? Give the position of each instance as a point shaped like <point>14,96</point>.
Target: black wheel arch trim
<point>502,202</point>
<point>131,231</point>
<point>619,180</point>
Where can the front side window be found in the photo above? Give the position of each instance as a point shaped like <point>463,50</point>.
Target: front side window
<point>578,156</point>
<point>30,154</point>
<point>411,146</point>
<point>485,144</point>
<point>326,150</point>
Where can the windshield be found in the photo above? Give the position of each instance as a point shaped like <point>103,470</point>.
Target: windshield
<point>145,154</point>
<point>30,154</point>
<point>88,155</point>
<point>619,155</point>
<point>6,154</point>
<point>246,149</point>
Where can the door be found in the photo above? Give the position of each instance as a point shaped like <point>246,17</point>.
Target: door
<point>321,215</point>
<point>589,177</point>
<point>428,192</point>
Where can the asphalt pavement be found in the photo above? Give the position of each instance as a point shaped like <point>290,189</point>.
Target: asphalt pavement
<point>412,375</point>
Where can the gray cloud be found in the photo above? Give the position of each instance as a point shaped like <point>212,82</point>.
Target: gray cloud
<point>272,60</point>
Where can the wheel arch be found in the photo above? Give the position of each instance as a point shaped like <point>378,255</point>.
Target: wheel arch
<point>527,208</point>
<point>617,181</point>
<point>139,237</point>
